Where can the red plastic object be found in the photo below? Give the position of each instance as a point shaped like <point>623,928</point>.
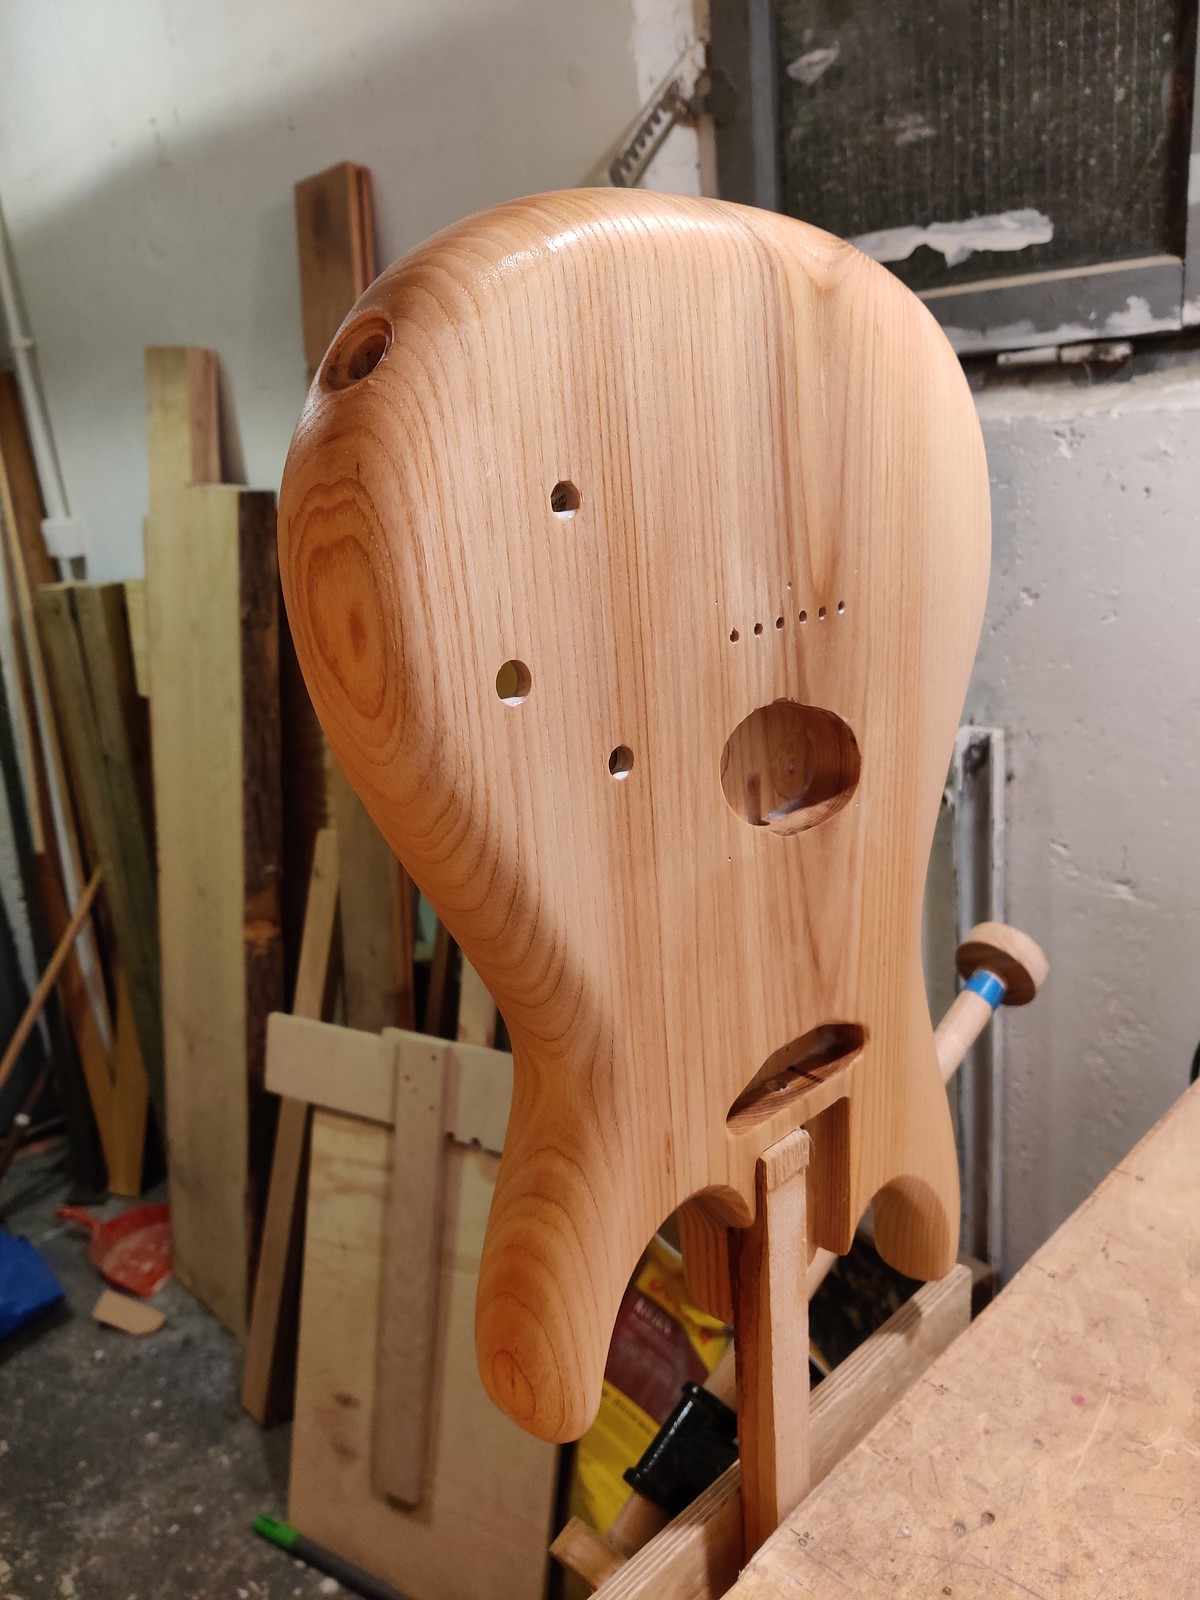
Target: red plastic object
<point>133,1251</point>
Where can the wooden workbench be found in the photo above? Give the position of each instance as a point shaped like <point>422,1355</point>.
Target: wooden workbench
<point>1054,1450</point>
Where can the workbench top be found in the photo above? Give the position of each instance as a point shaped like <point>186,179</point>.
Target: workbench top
<point>1054,1450</point>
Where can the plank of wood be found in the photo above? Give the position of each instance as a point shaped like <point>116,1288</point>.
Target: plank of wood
<point>406,1340</point>
<point>135,611</point>
<point>341,1069</point>
<point>1056,1438</point>
<point>476,1009</point>
<point>377,922</point>
<point>336,250</point>
<point>129,1103</point>
<point>538,699</point>
<point>771,1320</point>
<point>86,636</point>
<point>698,1555</point>
<point>269,1370</point>
<point>19,465</point>
<point>439,1017</point>
<point>336,247</point>
<point>213,653</point>
<point>482,1528</point>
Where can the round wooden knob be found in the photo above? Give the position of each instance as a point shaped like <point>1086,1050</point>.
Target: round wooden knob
<point>1016,959</point>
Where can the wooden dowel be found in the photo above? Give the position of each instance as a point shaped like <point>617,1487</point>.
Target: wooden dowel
<point>48,979</point>
<point>968,1015</point>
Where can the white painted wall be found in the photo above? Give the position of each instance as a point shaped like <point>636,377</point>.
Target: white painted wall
<point>1091,659</point>
<point>147,154</point>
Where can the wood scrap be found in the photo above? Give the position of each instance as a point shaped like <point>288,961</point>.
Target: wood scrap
<point>129,1315</point>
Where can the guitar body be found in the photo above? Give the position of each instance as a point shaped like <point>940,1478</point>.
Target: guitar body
<point>635,550</point>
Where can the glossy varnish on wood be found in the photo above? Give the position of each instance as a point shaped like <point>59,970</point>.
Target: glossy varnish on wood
<point>585,487</point>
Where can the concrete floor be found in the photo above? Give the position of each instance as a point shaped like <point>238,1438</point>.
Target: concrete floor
<point>127,1468</point>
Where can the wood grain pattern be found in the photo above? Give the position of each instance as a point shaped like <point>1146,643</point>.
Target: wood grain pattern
<point>1052,1449</point>
<point>212,614</point>
<point>343,1070</point>
<point>335,243</point>
<point>86,637</point>
<point>269,1371</point>
<point>481,1530</point>
<point>586,485</point>
<point>771,1318</point>
<point>698,1555</point>
<point>406,1339</point>
<point>26,492</point>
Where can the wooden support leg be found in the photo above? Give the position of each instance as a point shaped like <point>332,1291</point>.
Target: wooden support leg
<point>770,1297</point>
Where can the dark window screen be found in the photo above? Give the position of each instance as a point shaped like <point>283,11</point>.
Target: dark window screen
<point>893,115</point>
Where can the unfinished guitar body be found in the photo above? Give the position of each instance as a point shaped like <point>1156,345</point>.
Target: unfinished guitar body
<point>635,550</point>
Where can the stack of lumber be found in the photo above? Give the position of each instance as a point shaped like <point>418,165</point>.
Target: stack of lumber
<point>74,754</point>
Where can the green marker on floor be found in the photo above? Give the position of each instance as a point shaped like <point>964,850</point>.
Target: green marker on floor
<point>286,1537</point>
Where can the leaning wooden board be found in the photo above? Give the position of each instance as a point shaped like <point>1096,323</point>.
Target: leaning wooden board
<point>212,617</point>
<point>484,1524</point>
<point>1054,1448</point>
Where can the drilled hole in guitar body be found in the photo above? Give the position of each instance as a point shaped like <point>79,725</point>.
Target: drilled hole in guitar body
<point>790,1072</point>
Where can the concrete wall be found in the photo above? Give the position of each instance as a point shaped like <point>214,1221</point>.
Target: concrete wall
<point>147,155</point>
<point>1090,658</point>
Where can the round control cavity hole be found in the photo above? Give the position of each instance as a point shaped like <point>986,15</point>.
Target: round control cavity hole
<point>513,682</point>
<point>620,763</point>
<point>361,350</point>
<point>565,500</point>
<point>787,767</point>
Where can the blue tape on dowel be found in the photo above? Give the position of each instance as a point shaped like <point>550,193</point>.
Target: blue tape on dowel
<point>986,984</point>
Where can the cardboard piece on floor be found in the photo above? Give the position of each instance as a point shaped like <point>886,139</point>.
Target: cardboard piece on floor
<point>129,1315</point>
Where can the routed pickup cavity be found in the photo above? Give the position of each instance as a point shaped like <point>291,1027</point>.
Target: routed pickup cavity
<point>795,1067</point>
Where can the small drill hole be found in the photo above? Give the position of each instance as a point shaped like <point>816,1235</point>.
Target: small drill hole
<point>620,763</point>
<point>821,614</point>
<point>513,682</point>
<point>804,616</point>
<point>359,353</point>
<point>779,622</point>
<point>841,606</point>
<point>734,636</point>
<point>758,627</point>
<point>565,500</point>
